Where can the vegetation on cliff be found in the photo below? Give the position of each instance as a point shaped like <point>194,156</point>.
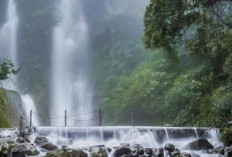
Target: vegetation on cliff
<point>186,73</point>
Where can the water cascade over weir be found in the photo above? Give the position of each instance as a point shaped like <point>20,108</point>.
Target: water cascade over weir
<point>8,50</point>
<point>112,136</point>
<point>70,90</point>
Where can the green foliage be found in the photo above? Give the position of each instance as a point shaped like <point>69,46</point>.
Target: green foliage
<point>189,78</point>
<point>226,136</point>
<point>3,121</point>
<point>7,68</point>
<point>199,91</point>
<point>183,100</point>
<point>167,22</point>
<point>142,92</point>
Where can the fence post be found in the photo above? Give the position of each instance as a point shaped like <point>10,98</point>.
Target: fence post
<point>162,116</point>
<point>30,118</point>
<point>21,134</point>
<point>65,118</point>
<point>100,118</point>
<point>21,122</point>
<point>132,118</point>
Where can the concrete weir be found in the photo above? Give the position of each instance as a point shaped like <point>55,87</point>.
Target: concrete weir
<point>115,135</point>
<point>112,140</point>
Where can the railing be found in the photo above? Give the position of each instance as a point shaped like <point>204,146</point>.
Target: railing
<point>97,116</point>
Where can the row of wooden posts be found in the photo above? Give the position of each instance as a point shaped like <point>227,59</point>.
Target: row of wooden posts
<point>65,118</point>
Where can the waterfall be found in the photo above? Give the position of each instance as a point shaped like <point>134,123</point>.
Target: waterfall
<point>112,136</point>
<point>69,88</point>
<point>8,50</point>
<point>28,105</point>
<point>8,41</point>
<point>8,33</point>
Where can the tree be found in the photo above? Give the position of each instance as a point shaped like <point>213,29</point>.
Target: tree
<point>7,68</point>
<point>168,23</point>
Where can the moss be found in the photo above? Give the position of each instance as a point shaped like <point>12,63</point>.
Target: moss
<point>4,123</point>
<point>226,136</point>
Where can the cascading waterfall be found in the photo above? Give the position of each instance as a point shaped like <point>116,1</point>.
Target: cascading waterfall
<point>28,105</point>
<point>70,90</point>
<point>8,49</point>
<point>111,136</point>
<point>8,41</point>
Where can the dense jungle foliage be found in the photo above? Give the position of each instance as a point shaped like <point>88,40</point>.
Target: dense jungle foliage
<point>185,79</point>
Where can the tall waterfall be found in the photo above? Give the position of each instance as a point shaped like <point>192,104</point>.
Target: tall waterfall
<point>8,50</point>
<point>70,89</point>
<point>8,41</point>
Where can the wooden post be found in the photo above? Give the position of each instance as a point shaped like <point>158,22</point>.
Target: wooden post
<point>21,122</point>
<point>162,117</point>
<point>21,126</point>
<point>132,118</point>
<point>65,118</point>
<point>30,118</point>
<point>100,117</point>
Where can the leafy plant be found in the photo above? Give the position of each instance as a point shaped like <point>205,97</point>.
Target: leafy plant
<point>6,69</point>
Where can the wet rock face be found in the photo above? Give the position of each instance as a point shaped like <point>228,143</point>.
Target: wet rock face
<point>186,154</point>
<point>25,148</point>
<point>48,146</point>
<point>40,139</point>
<point>4,147</point>
<point>122,151</point>
<point>199,144</point>
<point>228,151</point>
<point>98,151</point>
<point>67,153</point>
<point>169,147</point>
<point>42,142</point>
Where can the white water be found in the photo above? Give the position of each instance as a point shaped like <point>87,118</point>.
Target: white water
<point>147,137</point>
<point>114,136</point>
<point>70,90</point>
<point>8,50</point>
<point>8,42</point>
<point>28,105</point>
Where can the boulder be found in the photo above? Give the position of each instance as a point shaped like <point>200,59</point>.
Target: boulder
<point>67,153</point>
<point>136,149</point>
<point>169,147</point>
<point>184,154</point>
<point>25,148</point>
<point>148,152</point>
<point>98,151</point>
<point>160,152</point>
<point>219,150</point>
<point>20,140</point>
<point>40,139</point>
<point>55,153</point>
<point>48,146</point>
<point>122,151</point>
<point>175,153</point>
<point>4,147</point>
<point>109,149</point>
<point>79,153</point>
<point>199,144</point>
<point>228,151</point>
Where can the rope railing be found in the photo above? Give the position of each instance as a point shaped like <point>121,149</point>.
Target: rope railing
<point>95,117</point>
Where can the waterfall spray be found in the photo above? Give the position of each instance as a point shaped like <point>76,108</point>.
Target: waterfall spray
<point>70,90</point>
<point>8,43</point>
